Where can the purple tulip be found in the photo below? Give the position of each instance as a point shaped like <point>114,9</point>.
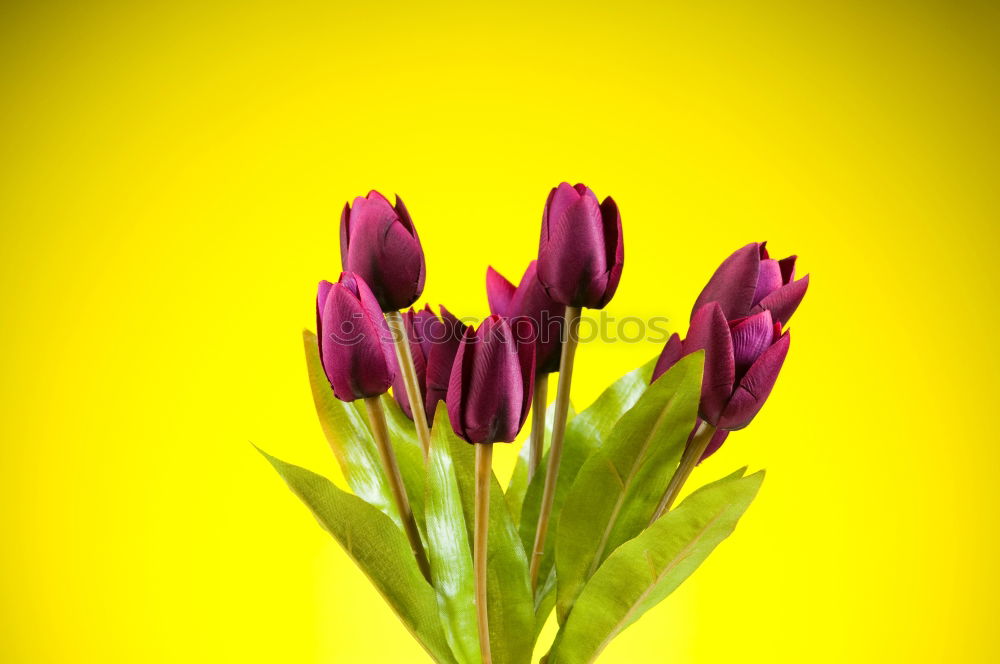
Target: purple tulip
<point>528,300</point>
<point>581,252</point>
<point>433,344</point>
<point>742,361</point>
<point>750,281</point>
<point>379,243</point>
<point>355,345</point>
<point>491,384</point>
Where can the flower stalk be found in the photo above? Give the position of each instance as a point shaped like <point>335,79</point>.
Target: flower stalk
<point>406,366</point>
<point>692,455</point>
<point>484,461</point>
<point>570,342</point>
<point>376,417</point>
<point>537,442</point>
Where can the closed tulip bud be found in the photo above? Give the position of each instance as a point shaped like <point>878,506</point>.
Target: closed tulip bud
<point>750,281</point>
<point>742,361</point>
<point>491,384</point>
<point>379,243</point>
<point>581,253</point>
<point>355,345</point>
<point>433,344</point>
<point>529,301</point>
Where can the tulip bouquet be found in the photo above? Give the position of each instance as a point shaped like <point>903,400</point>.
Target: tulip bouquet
<point>587,524</point>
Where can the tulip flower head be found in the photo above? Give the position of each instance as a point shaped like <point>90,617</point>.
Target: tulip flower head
<point>580,254</point>
<point>529,300</point>
<point>491,384</point>
<point>379,242</point>
<point>355,345</point>
<point>750,281</point>
<point>433,344</point>
<point>742,361</point>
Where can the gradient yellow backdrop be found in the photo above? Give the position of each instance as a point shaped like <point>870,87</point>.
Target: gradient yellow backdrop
<point>172,175</point>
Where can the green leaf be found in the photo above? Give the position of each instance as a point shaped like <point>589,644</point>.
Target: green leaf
<point>509,602</point>
<point>378,547</point>
<point>618,488</point>
<point>347,432</point>
<point>643,571</point>
<point>518,484</point>
<point>584,433</point>
<point>448,547</point>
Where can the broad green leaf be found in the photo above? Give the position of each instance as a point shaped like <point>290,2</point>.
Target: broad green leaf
<point>509,592</point>
<point>448,547</point>
<point>620,485</point>
<point>378,547</point>
<point>643,571</point>
<point>519,480</point>
<point>409,454</point>
<point>584,433</point>
<point>350,439</point>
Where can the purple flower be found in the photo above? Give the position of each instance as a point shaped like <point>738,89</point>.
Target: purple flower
<point>581,252</point>
<point>379,243</point>
<point>433,344</point>
<point>529,300</point>
<point>742,361</point>
<point>491,383</point>
<point>750,281</point>
<point>355,345</point>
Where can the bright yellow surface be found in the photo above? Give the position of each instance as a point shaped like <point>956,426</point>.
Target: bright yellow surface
<point>172,176</point>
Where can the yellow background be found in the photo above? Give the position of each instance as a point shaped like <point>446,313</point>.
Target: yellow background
<point>172,176</point>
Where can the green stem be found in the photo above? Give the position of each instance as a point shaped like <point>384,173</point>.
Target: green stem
<point>380,432</point>
<point>537,441</point>
<point>405,357</point>
<point>484,462</point>
<point>692,453</point>
<point>570,341</point>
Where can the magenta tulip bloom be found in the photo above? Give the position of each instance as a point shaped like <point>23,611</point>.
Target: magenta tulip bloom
<point>355,345</point>
<point>529,300</point>
<point>742,361</point>
<point>379,243</point>
<point>581,253</point>
<point>433,344</point>
<point>750,281</point>
<point>491,383</point>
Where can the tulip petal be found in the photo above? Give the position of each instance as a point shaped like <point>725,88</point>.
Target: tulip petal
<point>353,349</point>
<point>383,248</point>
<point>710,331</point>
<point>532,301</point>
<point>404,216</point>
<point>321,297</point>
<point>493,405</point>
<point>499,293</point>
<point>563,197</point>
<point>345,234</point>
<point>734,283</point>
<point>787,269</point>
<point>755,386</point>
<point>615,249</point>
<point>783,302</point>
<point>673,350</point>
<point>571,260</point>
<point>461,371</point>
<point>440,361</point>
<point>768,279</point>
<point>751,337</point>
<point>526,360</point>
<point>718,438</point>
